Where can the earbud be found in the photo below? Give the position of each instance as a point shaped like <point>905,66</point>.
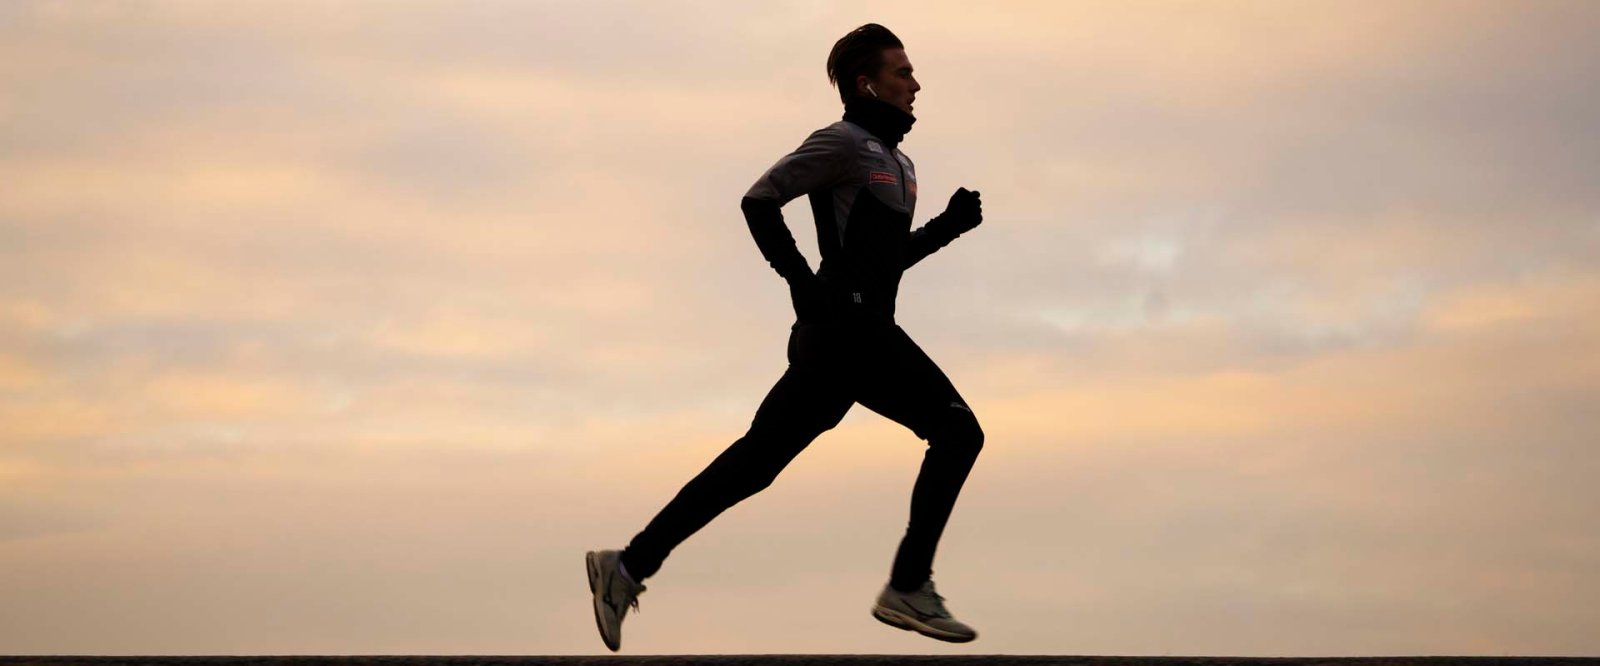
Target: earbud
<point>870,90</point>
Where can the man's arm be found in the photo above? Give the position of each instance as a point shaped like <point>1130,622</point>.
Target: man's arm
<point>819,162</point>
<point>964,212</point>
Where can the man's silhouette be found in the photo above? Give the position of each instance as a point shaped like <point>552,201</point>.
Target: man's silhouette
<point>844,347</point>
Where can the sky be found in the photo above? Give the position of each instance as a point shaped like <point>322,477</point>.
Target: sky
<point>347,328</point>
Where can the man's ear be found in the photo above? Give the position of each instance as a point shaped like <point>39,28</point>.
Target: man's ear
<point>861,85</point>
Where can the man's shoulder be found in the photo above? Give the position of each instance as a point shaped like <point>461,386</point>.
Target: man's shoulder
<point>839,132</point>
<point>840,141</point>
<point>859,138</point>
<point>848,139</point>
<point>847,129</point>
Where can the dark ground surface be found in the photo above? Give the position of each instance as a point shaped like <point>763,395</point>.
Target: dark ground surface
<point>785,660</point>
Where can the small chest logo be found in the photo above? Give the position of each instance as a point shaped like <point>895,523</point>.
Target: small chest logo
<point>882,177</point>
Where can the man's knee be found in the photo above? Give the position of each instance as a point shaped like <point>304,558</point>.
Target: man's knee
<point>960,432</point>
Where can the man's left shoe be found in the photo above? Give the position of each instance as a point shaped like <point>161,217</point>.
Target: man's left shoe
<point>921,611</point>
<point>613,592</point>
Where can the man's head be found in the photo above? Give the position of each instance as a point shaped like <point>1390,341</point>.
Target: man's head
<point>871,62</point>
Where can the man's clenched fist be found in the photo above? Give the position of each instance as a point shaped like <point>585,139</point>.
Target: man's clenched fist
<point>965,208</point>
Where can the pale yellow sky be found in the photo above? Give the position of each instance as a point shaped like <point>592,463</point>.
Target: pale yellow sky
<point>345,328</point>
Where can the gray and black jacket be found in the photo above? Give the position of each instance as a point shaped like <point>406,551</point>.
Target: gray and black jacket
<point>863,191</point>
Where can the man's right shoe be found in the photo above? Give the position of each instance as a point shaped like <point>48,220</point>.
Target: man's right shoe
<point>921,611</point>
<point>613,594</point>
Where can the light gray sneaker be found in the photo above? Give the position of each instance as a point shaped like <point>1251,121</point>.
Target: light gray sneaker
<point>613,594</point>
<point>921,611</point>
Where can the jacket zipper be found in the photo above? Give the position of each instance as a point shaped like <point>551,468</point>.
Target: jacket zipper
<point>902,168</point>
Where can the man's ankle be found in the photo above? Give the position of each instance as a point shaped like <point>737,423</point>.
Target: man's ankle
<point>622,566</point>
<point>903,589</point>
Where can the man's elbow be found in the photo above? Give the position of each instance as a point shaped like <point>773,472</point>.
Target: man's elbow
<point>750,205</point>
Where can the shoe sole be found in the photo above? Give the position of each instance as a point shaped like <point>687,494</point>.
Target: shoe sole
<point>900,620</point>
<point>590,562</point>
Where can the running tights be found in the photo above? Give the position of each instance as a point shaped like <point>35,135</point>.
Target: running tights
<point>832,366</point>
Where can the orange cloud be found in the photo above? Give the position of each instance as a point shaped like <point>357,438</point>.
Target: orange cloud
<point>1540,300</point>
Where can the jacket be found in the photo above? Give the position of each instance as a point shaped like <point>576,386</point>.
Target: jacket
<point>863,192</point>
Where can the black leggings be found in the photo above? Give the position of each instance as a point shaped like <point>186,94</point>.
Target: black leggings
<point>832,366</point>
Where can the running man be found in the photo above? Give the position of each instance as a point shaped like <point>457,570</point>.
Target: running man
<point>844,347</point>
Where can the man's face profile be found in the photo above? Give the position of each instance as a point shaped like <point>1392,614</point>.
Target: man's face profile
<point>894,83</point>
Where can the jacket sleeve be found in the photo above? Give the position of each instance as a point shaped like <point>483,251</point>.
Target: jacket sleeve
<point>821,161</point>
<point>937,233</point>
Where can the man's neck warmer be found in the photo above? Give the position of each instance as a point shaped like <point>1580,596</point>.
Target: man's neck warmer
<point>884,120</point>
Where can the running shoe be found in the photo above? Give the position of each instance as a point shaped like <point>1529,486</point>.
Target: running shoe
<point>613,594</point>
<point>921,611</point>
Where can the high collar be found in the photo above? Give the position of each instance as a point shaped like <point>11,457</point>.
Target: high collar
<point>884,120</point>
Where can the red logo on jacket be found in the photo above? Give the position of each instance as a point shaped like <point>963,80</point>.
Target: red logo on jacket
<point>882,177</point>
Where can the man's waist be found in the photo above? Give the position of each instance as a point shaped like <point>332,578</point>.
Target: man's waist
<point>860,300</point>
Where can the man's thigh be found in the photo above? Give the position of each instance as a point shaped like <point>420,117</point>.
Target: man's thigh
<point>899,381</point>
<point>811,396</point>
